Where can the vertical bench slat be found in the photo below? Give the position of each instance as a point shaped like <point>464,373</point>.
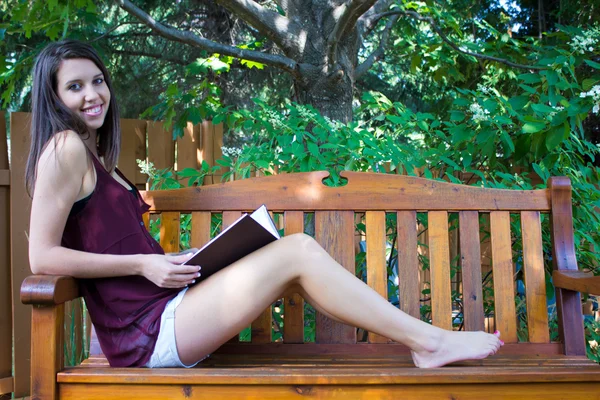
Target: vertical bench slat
<point>262,327</point>
<point>169,232</point>
<point>535,282</point>
<point>334,230</point>
<point>200,234</point>
<point>504,285</point>
<point>408,263</point>
<point>470,256</point>
<point>229,217</point>
<point>376,262</point>
<point>441,295</point>
<point>293,317</point>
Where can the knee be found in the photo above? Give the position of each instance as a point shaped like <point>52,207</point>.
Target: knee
<point>301,241</point>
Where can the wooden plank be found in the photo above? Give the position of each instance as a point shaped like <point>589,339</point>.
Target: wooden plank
<point>217,152</point>
<point>365,191</point>
<point>293,317</point>
<point>207,147</point>
<point>20,208</point>
<point>535,282</point>
<point>334,230</point>
<point>441,296</point>
<point>568,303</point>
<point>188,150</point>
<point>463,391</point>
<point>503,274</point>
<point>6,384</point>
<point>470,257</point>
<point>46,351</point>
<point>133,148</point>
<point>376,262</point>
<point>200,234</point>
<point>229,217</point>
<point>161,146</point>
<point>169,231</point>
<point>408,263</point>
<point>579,281</point>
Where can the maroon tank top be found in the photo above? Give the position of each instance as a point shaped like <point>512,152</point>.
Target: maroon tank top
<point>125,310</point>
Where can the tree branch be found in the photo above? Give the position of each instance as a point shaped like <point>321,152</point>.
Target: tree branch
<point>282,31</point>
<point>375,18</point>
<point>379,52</point>
<point>168,32</point>
<point>348,15</point>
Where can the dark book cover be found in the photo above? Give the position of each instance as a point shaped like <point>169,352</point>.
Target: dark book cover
<point>242,238</point>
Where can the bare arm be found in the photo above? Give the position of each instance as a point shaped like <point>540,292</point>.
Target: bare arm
<point>61,170</point>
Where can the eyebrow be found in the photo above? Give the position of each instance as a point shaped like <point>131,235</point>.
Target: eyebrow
<point>77,80</point>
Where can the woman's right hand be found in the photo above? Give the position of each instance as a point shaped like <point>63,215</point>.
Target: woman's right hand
<point>166,270</point>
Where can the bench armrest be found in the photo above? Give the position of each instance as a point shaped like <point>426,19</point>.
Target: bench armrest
<point>578,281</point>
<point>48,289</point>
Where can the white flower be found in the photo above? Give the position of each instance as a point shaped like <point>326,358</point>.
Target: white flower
<point>594,93</point>
<point>479,113</point>
<point>146,167</point>
<point>586,41</point>
<point>484,89</point>
<point>231,151</point>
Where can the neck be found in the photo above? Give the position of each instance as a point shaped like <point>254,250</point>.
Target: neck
<point>91,142</point>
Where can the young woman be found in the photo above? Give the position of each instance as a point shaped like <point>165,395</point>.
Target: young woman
<point>86,222</point>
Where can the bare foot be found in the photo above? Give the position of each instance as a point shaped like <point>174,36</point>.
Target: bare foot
<point>457,346</point>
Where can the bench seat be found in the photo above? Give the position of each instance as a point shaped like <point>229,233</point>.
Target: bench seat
<point>322,376</point>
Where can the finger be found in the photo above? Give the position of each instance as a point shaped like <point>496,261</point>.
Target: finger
<point>178,258</point>
<point>186,277</point>
<point>184,269</point>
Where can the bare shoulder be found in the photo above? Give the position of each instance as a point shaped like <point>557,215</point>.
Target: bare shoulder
<point>65,151</point>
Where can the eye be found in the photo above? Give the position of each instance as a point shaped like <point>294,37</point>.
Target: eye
<point>99,81</point>
<point>75,87</point>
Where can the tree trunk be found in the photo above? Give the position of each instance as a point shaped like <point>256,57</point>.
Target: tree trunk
<point>328,88</point>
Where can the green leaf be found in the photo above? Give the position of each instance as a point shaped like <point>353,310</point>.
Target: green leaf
<point>532,127</point>
<point>542,108</point>
<point>556,135</point>
<point>457,116</point>
<point>314,149</point>
<point>528,89</point>
<point>587,84</point>
<point>530,78</point>
<point>251,64</point>
<point>394,119</point>
<point>518,102</point>
<point>592,64</point>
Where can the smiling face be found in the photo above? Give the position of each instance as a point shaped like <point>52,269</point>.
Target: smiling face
<point>81,87</point>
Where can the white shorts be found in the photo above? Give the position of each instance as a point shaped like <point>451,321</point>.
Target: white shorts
<point>165,352</point>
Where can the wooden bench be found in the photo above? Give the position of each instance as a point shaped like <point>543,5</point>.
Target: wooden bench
<point>337,365</point>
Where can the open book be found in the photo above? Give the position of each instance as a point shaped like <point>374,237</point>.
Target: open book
<point>247,234</point>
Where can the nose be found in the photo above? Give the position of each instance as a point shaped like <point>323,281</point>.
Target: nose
<point>91,94</point>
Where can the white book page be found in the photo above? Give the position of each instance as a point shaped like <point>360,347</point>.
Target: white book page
<point>261,215</point>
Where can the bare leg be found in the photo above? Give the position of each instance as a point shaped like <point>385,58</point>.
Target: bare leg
<point>218,308</point>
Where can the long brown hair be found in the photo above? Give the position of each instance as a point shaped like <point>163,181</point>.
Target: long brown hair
<point>50,116</point>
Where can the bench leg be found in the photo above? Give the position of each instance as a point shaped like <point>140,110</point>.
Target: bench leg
<point>47,343</point>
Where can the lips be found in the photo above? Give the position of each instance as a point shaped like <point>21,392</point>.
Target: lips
<point>93,111</point>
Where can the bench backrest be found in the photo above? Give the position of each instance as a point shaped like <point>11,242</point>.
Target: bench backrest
<point>336,211</point>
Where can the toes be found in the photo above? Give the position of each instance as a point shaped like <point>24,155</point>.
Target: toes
<point>497,334</point>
